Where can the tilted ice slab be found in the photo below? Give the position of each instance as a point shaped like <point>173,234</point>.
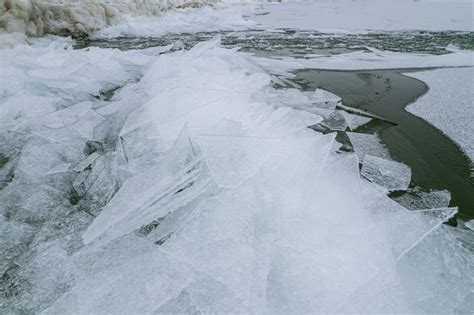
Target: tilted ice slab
<point>416,199</point>
<point>367,144</point>
<point>390,175</point>
<point>448,104</point>
<point>201,197</point>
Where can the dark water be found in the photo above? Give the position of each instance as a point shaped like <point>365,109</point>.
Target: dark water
<point>436,161</point>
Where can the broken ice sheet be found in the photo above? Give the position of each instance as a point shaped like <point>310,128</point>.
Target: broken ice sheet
<point>417,199</point>
<point>367,144</point>
<point>390,175</point>
<point>335,121</point>
<point>355,121</point>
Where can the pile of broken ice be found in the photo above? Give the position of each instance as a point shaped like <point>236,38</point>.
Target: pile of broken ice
<point>197,187</point>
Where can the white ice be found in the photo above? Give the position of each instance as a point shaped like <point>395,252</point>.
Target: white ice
<point>364,144</point>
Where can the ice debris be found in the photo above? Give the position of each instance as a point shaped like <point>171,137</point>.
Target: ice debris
<point>185,193</point>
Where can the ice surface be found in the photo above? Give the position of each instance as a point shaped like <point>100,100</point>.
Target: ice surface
<point>448,104</point>
<point>360,16</point>
<point>390,175</point>
<point>367,144</point>
<point>188,191</point>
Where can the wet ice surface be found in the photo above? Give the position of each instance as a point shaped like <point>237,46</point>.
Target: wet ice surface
<point>197,187</point>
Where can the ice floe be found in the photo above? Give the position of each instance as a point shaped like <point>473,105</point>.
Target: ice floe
<point>388,174</point>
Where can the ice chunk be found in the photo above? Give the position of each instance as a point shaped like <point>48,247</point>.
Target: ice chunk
<point>232,159</point>
<point>446,285</point>
<point>416,224</point>
<point>388,174</point>
<point>367,144</point>
<point>111,279</point>
<point>301,100</point>
<point>86,162</point>
<point>325,99</point>
<point>417,199</point>
<point>470,225</point>
<point>26,106</point>
<point>355,121</point>
<point>335,121</point>
<point>153,194</point>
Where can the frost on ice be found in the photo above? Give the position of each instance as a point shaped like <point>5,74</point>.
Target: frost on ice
<point>190,190</point>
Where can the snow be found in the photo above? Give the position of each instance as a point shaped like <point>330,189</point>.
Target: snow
<point>370,60</point>
<point>198,187</point>
<point>348,16</point>
<point>448,105</point>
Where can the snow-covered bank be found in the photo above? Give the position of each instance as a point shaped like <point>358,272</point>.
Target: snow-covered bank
<point>84,17</point>
<point>362,15</point>
<point>192,190</point>
<point>449,104</point>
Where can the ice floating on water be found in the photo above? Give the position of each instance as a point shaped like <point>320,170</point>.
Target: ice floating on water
<point>415,199</point>
<point>390,175</point>
<point>117,18</point>
<point>367,144</point>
